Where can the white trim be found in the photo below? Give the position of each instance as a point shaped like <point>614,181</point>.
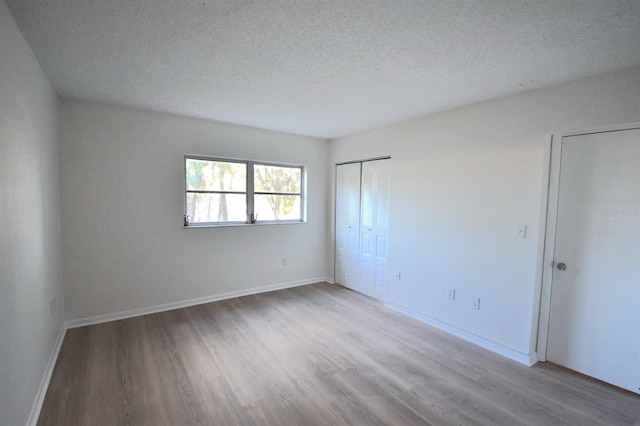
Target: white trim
<point>602,129</point>
<point>98,319</point>
<point>46,378</point>
<point>236,224</point>
<point>330,280</point>
<point>526,359</point>
<point>552,212</point>
<point>549,250</point>
<point>385,157</point>
<point>537,320</point>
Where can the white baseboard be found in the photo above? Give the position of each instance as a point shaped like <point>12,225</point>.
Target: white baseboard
<point>329,280</point>
<point>46,378</point>
<point>98,319</point>
<point>526,359</point>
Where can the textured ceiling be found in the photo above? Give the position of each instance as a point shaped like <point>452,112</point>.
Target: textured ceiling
<point>321,68</point>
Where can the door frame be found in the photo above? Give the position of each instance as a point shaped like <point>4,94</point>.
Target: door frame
<point>553,158</point>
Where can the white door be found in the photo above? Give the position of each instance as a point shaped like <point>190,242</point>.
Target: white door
<point>374,228</point>
<point>348,225</point>
<point>366,230</point>
<point>594,323</point>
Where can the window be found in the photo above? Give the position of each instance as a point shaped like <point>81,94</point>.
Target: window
<point>216,191</point>
<point>277,192</point>
<point>220,191</point>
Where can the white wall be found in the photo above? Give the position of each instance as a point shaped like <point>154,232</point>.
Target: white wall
<point>30,253</point>
<point>124,243</point>
<point>461,181</point>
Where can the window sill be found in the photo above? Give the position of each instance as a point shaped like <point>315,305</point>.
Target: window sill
<point>237,224</point>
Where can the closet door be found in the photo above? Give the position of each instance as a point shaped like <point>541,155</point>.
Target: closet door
<point>348,225</point>
<point>374,228</point>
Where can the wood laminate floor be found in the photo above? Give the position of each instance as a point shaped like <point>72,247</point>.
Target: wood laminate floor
<point>313,355</point>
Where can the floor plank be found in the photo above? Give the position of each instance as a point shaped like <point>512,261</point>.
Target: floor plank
<point>312,355</point>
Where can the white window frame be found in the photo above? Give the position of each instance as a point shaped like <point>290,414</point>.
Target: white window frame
<point>250,192</point>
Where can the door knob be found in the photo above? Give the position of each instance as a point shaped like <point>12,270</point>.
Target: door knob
<point>561,266</point>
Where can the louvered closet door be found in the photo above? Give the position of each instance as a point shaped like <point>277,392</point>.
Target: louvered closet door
<point>348,225</point>
<point>374,228</point>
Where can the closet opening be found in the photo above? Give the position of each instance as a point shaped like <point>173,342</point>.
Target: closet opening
<point>362,226</point>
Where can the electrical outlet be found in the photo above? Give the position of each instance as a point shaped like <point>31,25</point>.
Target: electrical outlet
<point>452,294</point>
<point>284,261</point>
<point>475,303</point>
<point>397,276</point>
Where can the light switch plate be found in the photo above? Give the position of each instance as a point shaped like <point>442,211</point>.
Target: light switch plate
<point>520,232</point>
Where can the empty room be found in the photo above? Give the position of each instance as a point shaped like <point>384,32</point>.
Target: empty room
<point>319,212</point>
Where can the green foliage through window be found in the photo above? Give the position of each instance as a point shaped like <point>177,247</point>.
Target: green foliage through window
<point>219,191</point>
<point>281,186</point>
